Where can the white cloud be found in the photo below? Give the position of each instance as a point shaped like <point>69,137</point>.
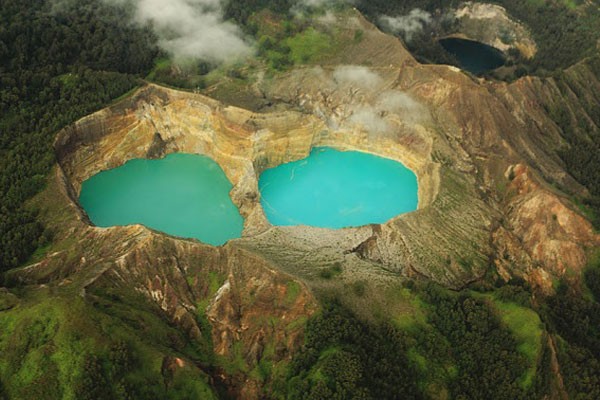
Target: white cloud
<point>301,6</point>
<point>407,25</point>
<point>370,119</point>
<point>356,75</point>
<point>315,3</point>
<point>396,101</point>
<point>375,119</point>
<point>191,29</point>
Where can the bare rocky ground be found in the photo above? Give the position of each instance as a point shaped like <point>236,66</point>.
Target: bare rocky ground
<point>484,154</point>
<point>492,25</point>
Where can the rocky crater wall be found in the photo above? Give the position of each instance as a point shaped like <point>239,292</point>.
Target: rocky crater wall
<point>458,134</point>
<point>158,121</point>
<point>491,24</point>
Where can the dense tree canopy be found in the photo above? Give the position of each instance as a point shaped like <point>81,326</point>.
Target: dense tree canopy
<point>56,65</point>
<point>463,339</point>
<point>575,319</point>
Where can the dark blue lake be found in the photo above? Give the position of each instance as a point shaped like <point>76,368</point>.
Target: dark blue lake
<point>475,57</point>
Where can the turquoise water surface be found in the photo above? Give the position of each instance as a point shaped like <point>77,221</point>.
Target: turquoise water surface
<point>336,189</point>
<point>183,195</point>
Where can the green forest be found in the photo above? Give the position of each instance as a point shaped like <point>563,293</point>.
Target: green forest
<point>484,343</point>
<point>55,67</point>
<point>490,342</point>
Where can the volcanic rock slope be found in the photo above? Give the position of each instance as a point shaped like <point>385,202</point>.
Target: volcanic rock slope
<point>492,25</point>
<point>484,154</point>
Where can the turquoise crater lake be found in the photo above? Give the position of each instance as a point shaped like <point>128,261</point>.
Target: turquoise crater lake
<point>337,189</point>
<point>184,195</point>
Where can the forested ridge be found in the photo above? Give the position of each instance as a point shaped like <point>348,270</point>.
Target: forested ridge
<point>564,31</point>
<point>482,343</point>
<point>573,315</point>
<point>56,65</point>
<point>461,349</point>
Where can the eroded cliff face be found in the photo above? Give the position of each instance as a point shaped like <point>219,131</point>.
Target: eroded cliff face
<point>239,302</point>
<point>552,234</point>
<point>484,154</point>
<point>491,24</point>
